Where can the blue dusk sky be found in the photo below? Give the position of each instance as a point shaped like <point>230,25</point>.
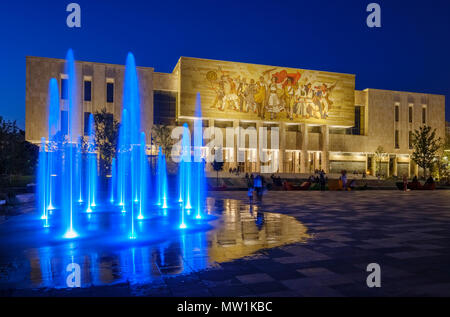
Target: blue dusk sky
<point>410,52</point>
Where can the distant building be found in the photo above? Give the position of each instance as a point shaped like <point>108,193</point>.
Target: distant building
<point>447,128</point>
<point>324,123</point>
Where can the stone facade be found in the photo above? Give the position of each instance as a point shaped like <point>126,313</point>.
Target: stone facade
<point>303,148</point>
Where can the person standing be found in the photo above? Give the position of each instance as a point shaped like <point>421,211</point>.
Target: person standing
<point>405,183</point>
<point>322,180</point>
<point>258,187</point>
<point>344,179</point>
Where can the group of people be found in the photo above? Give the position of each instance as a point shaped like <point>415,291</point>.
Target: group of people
<point>236,170</point>
<point>273,93</point>
<point>320,178</point>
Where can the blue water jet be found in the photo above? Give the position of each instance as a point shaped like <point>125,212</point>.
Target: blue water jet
<point>69,170</point>
<point>198,174</point>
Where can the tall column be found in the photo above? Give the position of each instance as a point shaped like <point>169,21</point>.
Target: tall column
<point>388,168</point>
<point>373,167</point>
<point>258,162</point>
<point>316,159</point>
<point>395,169</point>
<point>211,125</point>
<point>236,144</point>
<point>304,156</point>
<point>281,154</point>
<point>409,167</point>
<point>325,147</point>
<point>366,167</point>
<point>416,169</point>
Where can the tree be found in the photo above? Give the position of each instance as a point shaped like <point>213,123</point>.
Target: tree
<point>444,162</point>
<point>162,135</point>
<point>17,156</point>
<point>106,135</point>
<point>425,147</point>
<point>379,155</point>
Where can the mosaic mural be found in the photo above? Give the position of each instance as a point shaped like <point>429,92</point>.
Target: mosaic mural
<point>257,92</point>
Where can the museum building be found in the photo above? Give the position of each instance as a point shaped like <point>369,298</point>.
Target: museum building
<point>323,122</point>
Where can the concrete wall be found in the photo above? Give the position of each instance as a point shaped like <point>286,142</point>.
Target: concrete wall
<point>378,108</point>
<point>40,70</point>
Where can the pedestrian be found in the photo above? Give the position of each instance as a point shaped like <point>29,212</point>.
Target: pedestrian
<point>322,180</point>
<point>343,179</point>
<point>405,182</point>
<point>258,187</point>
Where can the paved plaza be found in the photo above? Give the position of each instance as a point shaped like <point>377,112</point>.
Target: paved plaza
<point>406,233</point>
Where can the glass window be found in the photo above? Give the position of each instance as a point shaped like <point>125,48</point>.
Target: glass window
<point>87,90</point>
<point>64,122</point>
<point>164,107</point>
<point>86,123</point>
<point>397,114</point>
<point>397,145</point>
<point>424,115</point>
<point>410,114</point>
<point>410,139</point>
<point>64,88</point>
<point>357,128</point>
<point>109,92</point>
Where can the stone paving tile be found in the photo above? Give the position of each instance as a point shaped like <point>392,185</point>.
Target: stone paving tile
<point>267,287</point>
<point>412,244</point>
<point>230,291</point>
<point>412,254</point>
<point>254,278</point>
<point>408,234</point>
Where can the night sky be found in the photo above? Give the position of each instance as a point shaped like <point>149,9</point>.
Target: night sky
<point>410,52</point>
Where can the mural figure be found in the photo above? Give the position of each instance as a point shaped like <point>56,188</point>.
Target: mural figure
<point>272,95</point>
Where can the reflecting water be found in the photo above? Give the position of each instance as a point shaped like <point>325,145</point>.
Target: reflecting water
<point>27,259</point>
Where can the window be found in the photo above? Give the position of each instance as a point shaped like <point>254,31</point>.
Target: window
<point>358,127</point>
<point>64,88</point>
<point>87,90</point>
<point>110,92</point>
<point>397,113</point>
<point>424,115</point>
<point>397,145</point>
<point>164,106</point>
<point>64,122</point>
<point>410,114</point>
<point>410,139</point>
<point>86,123</point>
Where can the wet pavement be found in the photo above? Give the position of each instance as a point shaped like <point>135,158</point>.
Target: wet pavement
<point>339,234</point>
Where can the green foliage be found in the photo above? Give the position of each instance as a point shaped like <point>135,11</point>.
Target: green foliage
<point>162,136</point>
<point>217,166</point>
<point>443,166</point>
<point>106,136</point>
<point>426,147</point>
<point>17,156</point>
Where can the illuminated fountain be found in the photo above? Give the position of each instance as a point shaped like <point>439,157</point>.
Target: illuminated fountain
<point>91,181</point>
<point>69,182</point>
